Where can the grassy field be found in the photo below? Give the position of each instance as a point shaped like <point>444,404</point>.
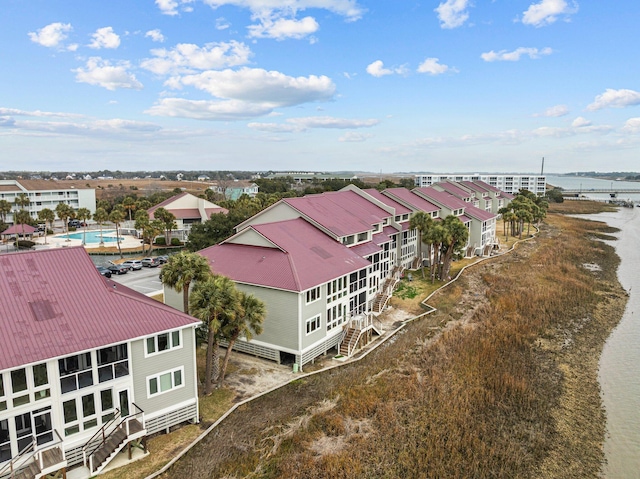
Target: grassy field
<point>506,387</point>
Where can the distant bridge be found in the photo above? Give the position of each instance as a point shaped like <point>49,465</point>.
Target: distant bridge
<point>608,191</point>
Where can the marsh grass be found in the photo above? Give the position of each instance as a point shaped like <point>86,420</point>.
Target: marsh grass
<point>500,393</point>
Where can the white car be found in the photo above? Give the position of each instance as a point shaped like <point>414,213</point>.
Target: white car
<point>133,264</point>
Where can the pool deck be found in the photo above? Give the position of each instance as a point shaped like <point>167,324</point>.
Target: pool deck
<point>60,241</point>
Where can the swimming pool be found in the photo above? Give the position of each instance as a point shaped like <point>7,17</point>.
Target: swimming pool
<point>93,236</point>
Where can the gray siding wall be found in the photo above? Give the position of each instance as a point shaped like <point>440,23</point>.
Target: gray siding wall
<point>144,367</point>
<point>280,326</point>
<point>279,212</point>
<point>310,310</point>
<point>173,298</point>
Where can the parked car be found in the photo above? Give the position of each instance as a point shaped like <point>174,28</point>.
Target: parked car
<point>118,268</point>
<point>150,262</point>
<point>133,264</point>
<point>163,259</point>
<point>104,271</point>
<point>74,224</point>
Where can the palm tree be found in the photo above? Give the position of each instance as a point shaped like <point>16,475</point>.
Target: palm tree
<point>64,212</point>
<point>117,217</point>
<point>83,215</point>
<point>48,216</point>
<point>22,201</point>
<point>22,217</point>
<point>248,321</point>
<point>457,236</point>
<point>181,270</point>
<point>421,221</point>
<point>438,236</point>
<point>5,209</point>
<point>129,204</point>
<point>100,216</point>
<point>168,221</point>
<point>215,301</point>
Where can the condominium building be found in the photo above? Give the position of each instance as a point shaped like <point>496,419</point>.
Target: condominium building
<point>47,194</point>
<point>508,183</point>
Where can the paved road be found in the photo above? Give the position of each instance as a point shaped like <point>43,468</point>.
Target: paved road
<point>144,280</point>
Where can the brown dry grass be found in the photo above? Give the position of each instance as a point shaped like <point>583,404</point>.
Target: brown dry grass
<point>507,389</point>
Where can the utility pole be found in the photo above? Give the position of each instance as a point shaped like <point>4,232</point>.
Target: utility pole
<point>542,170</point>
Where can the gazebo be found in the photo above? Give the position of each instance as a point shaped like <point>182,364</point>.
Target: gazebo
<point>18,230</point>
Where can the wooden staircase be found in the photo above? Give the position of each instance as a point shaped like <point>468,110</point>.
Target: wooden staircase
<point>33,463</point>
<point>112,438</point>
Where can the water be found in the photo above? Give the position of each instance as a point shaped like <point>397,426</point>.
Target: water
<point>586,184</point>
<point>619,372</point>
<point>93,236</point>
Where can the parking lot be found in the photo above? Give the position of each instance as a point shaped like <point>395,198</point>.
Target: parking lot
<point>145,280</point>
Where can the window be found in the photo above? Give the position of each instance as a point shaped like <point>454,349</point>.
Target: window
<point>89,412</point>
<point>313,324</point>
<point>363,237</point>
<point>75,372</point>
<point>19,384</point>
<point>41,381</point>
<point>113,362</point>
<point>163,342</point>
<point>348,240</point>
<point>70,415</point>
<point>165,382</point>
<point>3,403</point>
<point>5,439</point>
<point>313,295</point>
<point>106,405</point>
<point>336,316</point>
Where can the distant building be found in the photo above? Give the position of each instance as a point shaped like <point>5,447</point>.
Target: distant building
<point>188,210</point>
<point>507,183</point>
<point>47,194</point>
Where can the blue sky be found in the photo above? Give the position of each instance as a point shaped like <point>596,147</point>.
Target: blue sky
<point>384,86</point>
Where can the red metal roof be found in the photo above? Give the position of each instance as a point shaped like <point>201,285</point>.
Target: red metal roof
<point>186,213</point>
<point>341,212</point>
<point>408,197</point>
<point>453,189</point>
<point>19,229</point>
<point>454,203</point>
<point>366,249</point>
<point>305,257</point>
<point>399,207</point>
<point>55,303</point>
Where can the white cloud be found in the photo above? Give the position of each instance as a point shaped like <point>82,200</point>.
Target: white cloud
<point>330,122</point>
<point>580,122</point>
<point>306,123</point>
<point>546,12</point>
<point>256,85</point>
<point>113,128</point>
<point>274,127</point>
<point>186,57</point>
<point>514,56</point>
<point>433,67</point>
<point>555,111</point>
<point>615,99</point>
<point>105,38</point>
<point>453,13</point>
<point>354,136</point>
<point>155,35</point>
<point>170,7</point>
<point>227,110</point>
<point>53,36</point>
<point>282,28</point>
<point>222,23</point>
<point>37,113</point>
<point>378,70</point>
<point>632,125</point>
<point>267,8</point>
<point>102,73</point>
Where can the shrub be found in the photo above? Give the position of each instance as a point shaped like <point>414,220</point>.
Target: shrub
<point>25,244</point>
<point>160,241</point>
<point>176,242</point>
